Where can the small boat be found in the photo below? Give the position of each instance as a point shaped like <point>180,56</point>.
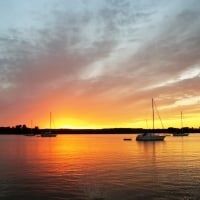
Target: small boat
<point>29,134</point>
<point>181,132</point>
<point>127,139</point>
<point>49,133</point>
<point>150,136</point>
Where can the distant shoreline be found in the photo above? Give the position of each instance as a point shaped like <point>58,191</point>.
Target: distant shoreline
<point>21,130</point>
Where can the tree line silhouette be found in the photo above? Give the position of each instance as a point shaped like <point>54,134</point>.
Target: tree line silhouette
<point>23,129</point>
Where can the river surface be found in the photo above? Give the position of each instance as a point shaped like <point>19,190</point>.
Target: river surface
<point>99,167</point>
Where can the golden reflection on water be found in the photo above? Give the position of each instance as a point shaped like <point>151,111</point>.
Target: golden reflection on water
<point>91,151</point>
<point>102,145</point>
<point>94,149</point>
<point>102,163</point>
<point>84,151</point>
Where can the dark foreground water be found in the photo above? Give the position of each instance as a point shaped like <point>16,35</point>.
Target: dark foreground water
<point>99,167</point>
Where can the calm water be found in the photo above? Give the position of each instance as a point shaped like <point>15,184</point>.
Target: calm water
<point>94,167</point>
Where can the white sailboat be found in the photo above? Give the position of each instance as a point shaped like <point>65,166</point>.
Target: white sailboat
<point>150,136</point>
<point>49,133</point>
<point>181,132</point>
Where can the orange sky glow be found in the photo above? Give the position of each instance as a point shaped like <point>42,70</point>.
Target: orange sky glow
<point>93,65</point>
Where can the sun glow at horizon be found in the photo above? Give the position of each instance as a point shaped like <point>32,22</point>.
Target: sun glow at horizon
<point>188,121</point>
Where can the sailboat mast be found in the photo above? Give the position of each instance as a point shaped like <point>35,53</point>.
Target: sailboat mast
<point>181,120</point>
<point>50,120</point>
<point>153,112</point>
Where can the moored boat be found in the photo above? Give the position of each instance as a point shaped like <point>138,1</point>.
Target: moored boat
<point>181,132</point>
<point>150,136</point>
<point>127,139</point>
<point>49,133</point>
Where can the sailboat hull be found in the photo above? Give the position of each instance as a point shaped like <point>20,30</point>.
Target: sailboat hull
<point>180,134</point>
<point>150,137</point>
<point>48,135</point>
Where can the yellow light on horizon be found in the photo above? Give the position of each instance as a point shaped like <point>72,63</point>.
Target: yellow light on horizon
<point>81,124</point>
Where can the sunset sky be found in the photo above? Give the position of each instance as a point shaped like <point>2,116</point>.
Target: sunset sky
<point>98,63</point>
